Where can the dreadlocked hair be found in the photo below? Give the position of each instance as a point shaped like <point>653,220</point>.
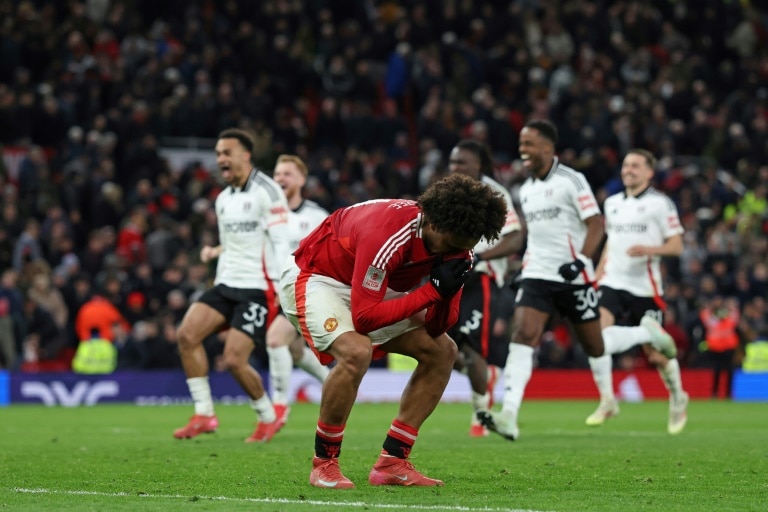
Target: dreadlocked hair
<point>464,206</point>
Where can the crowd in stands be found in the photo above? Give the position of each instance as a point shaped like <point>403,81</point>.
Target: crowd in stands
<point>372,94</point>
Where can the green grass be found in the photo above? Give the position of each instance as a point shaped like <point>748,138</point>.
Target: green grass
<point>123,457</point>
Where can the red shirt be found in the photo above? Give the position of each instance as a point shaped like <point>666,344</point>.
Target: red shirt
<point>373,246</point>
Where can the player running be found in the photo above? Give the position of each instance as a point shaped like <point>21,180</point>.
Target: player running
<point>642,226</point>
<point>565,228</point>
<point>480,352</point>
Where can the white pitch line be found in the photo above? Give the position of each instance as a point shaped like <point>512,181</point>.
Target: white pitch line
<point>357,504</point>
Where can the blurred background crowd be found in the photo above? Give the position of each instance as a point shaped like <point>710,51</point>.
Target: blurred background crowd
<point>96,94</point>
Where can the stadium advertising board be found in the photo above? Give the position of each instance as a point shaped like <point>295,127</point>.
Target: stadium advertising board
<point>379,385</point>
<point>5,394</point>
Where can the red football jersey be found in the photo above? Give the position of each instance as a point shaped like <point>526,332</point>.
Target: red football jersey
<point>373,246</point>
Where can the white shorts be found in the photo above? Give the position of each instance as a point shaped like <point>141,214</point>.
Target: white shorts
<point>320,307</point>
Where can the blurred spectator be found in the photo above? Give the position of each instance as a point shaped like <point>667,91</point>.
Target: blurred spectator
<point>721,320</point>
<point>135,307</point>
<point>28,248</point>
<point>754,320</point>
<point>108,205</point>
<point>95,356</point>
<point>44,341</point>
<point>131,348</point>
<point>372,96</point>
<point>162,245</point>
<point>98,313</point>
<point>49,298</point>
<point>162,349</point>
<point>130,239</point>
<point>6,248</point>
<point>177,305</point>
<point>11,320</point>
<point>30,179</point>
<point>92,255</point>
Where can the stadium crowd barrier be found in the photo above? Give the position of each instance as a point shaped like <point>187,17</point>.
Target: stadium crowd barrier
<point>379,385</point>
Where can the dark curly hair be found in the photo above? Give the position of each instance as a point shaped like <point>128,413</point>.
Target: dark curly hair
<point>464,206</point>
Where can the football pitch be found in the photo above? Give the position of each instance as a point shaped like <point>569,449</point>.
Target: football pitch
<point>123,457</point>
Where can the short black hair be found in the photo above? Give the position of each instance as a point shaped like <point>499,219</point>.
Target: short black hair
<point>547,129</point>
<point>464,206</point>
<point>243,136</point>
<point>482,152</point>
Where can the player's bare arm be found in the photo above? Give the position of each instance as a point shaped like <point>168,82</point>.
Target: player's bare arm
<point>600,269</point>
<point>508,245</point>
<point>672,246</point>
<point>208,253</point>
<point>595,233</point>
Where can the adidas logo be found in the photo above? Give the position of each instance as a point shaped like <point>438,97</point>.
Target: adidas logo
<point>588,314</point>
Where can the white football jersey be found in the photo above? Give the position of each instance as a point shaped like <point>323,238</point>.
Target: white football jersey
<point>555,209</point>
<point>648,219</point>
<point>497,268</point>
<point>252,232</point>
<point>303,220</point>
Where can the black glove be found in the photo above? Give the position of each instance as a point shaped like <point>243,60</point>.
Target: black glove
<point>448,276</point>
<point>571,271</point>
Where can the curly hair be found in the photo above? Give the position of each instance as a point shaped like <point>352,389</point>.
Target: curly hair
<point>464,206</point>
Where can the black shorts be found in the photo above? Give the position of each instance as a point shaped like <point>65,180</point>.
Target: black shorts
<point>631,308</point>
<point>478,312</point>
<point>247,310</point>
<point>577,302</point>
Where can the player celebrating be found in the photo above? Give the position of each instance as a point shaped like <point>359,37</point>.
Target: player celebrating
<point>642,226</point>
<point>479,356</point>
<point>285,346</point>
<point>355,292</point>
<point>252,216</point>
<point>565,228</point>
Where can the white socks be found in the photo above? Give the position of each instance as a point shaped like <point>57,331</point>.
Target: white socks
<point>481,402</point>
<point>672,380</point>
<point>264,409</point>
<point>618,339</point>
<point>602,372</point>
<point>311,364</point>
<point>200,390</point>
<point>517,373</point>
<point>280,368</point>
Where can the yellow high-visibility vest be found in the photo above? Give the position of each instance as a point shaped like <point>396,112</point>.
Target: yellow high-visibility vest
<point>756,356</point>
<point>95,356</point>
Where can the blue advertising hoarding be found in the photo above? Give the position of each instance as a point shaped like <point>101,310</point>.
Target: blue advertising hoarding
<point>5,394</point>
